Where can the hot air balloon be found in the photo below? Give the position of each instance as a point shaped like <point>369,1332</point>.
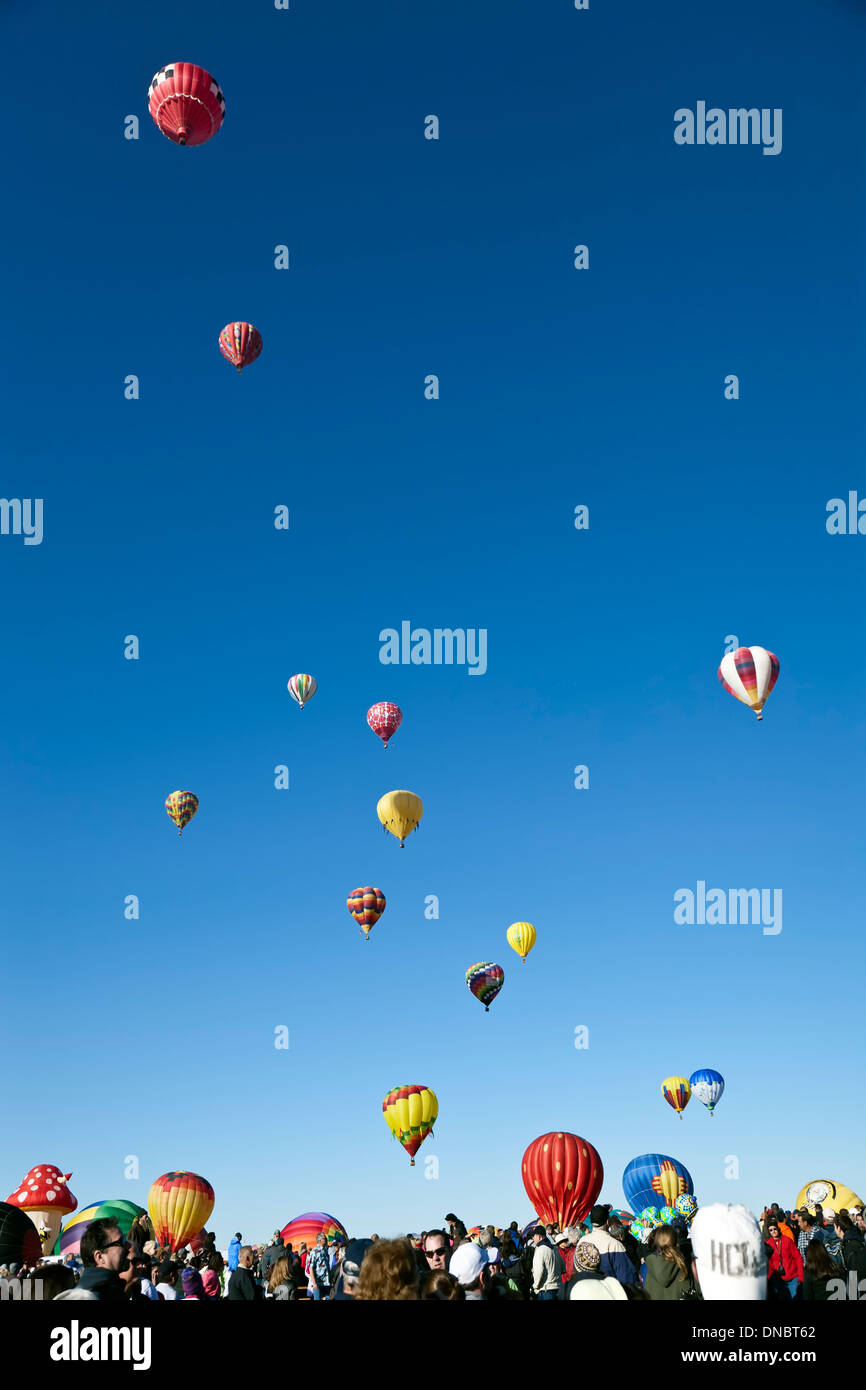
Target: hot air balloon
<point>654,1180</point>
<point>366,906</point>
<point>562,1174</point>
<point>749,674</point>
<point>707,1087</point>
<point>240,343</point>
<point>400,812</point>
<point>385,719</point>
<point>121,1212</point>
<point>410,1112</point>
<point>677,1093</point>
<point>186,103</point>
<point>181,807</point>
<point>302,688</point>
<point>43,1195</point>
<point>485,980</point>
<point>685,1206</point>
<point>309,1225</point>
<point>831,1195</point>
<point>521,938</point>
<point>179,1205</point>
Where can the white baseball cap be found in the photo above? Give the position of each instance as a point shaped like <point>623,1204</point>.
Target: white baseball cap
<point>730,1253</point>
<point>598,1290</point>
<point>467,1262</point>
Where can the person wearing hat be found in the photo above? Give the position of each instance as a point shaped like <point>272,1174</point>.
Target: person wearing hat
<point>588,1282</point>
<point>614,1258</point>
<point>193,1289</point>
<point>730,1253</point>
<point>470,1267</point>
<point>547,1267</point>
<point>350,1269</point>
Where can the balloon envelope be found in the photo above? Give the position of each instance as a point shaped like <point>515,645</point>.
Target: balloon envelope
<point>186,103</point>
<point>181,807</point>
<point>521,938</point>
<point>385,719</point>
<point>410,1112</point>
<point>562,1174</point>
<point>677,1092</point>
<point>400,812</point>
<point>240,343</point>
<point>749,674</point>
<point>366,906</point>
<point>179,1204</point>
<point>310,1224</point>
<point>302,687</point>
<point>707,1087</point>
<point>831,1195</point>
<point>485,979</point>
<point>121,1211</point>
<point>19,1238</point>
<point>655,1180</point>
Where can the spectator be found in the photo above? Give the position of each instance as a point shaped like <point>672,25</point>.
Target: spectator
<point>105,1253</point>
<point>730,1253</point>
<point>667,1273</point>
<point>193,1289</point>
<point>441,1286</point>
<point>547,1267</point>
<point>388,1273</point>
<point>589,1282</point>
<point>234,1252</point>
<point>456,1229</point>
<point>242,1285</point>
<point>319,1271</point>
<point>471,1268</point>
<point>785,1268</point>
<point>166,1280</point>
<point>350,1270</point>
<point>437,1251</point>
<point>614,1260</point>
<point>281,1285</point>
<point>853,1247</point>
<point>818,1271</point>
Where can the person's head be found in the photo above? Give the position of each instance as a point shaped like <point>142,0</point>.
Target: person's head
<point>137,1265</point>
<point>388,1273</point>
<point>471,1268</point>
<point>104,1246</point>
<point>538,1234</point>
<point>245,1256</point>
<point>442,1287</point>
<point>278,1239</point>
<point>167,1273</point>
<point>436,1250</point>
<point>50,1280</point>
<point>773,1229</point>
<point>210,1284</point>
<point>666,1246</point>
<point>353,1258</point>
<point>192,1285</point>
<point>238,1235</point>
<point>321,1241</point>
<point>215,1262</point>
<point>507,1249</point>
<point>843,1224</point>
<point>818,1262</point>
<point>805,1221</point>
<point>279,1273</point>
<point>730,1253</point>
<point>615,1228</point>
<point>598,1217</point>
<point>485,1237</point>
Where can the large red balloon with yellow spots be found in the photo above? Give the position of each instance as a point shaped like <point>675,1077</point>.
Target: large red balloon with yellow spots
<point>562,1174</point>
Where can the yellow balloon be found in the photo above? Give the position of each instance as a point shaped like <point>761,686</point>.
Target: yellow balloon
<point>832,1195</point>
<point>521,938</point>
<point>400,812</point>
<point>410,1112</point>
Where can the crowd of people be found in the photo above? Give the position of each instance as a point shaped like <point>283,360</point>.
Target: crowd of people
<point>722,1253</point>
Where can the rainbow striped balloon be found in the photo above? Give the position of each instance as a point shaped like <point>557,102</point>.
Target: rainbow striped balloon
<point>677,1092</point>
<point>309,1225</point>
<point>302,688</point>
<point>119,1210</point>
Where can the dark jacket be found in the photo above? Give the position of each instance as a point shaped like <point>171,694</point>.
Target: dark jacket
<point>103,1282</point>
<point>816,1289</point>
<point>243,1287</point>
<point>854,1252</point>
<point>274,1252</point>
<point>664,1281</point>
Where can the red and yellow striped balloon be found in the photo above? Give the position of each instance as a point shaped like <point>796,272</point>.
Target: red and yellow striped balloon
<point>179,1205</point>
<point>677,1092</point>
<point>410,1112</point>
<point>366,906</point>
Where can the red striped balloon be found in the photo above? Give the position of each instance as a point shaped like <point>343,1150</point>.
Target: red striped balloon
<point>562,1174</point>
<point>186,103</point>
<point>240,344</point>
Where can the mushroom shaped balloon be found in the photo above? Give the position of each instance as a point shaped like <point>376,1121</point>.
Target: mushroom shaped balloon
<point>485,979</point>
<point>400,813</point>
<point>179,1204</point>
<point>410,1112</point>
<point>366,906</point>
<point>45,1198</point>
<point>181,807</point>
<point>749,674</point>
<point>240,343</point>
<point>385,719</point>
<point>302,688</point>
<point>186,103</point>
<point>562,1174</point>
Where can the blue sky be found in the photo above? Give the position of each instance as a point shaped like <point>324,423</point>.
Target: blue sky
<point>707,518</point>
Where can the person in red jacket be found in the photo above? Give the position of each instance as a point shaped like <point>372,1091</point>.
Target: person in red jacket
<point>785,1265</point>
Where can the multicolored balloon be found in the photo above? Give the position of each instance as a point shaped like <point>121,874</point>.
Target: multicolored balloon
<point>181,807</point>
<point>179,1204</point>
<point>707,1086</point>
<point>186,103</point>
<point>650,1215</point>
<point>650,1176</point>
<point>302,688</point>
<point>685,1205</point>
<point>122,1212</point>
<point>400,812</point>
<point>310,1225</point>
<point>749,674</point>
<point>366,906</point>
<point>410,1112</point>
<point>485,979</point>
<point>677,1093</point>
<point>562,1175</point>
<point>521,937</point>
<point>240,343</point>
<point>666,1215</point>
<point>641,1229</point>
<point>385,719</point>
